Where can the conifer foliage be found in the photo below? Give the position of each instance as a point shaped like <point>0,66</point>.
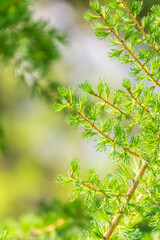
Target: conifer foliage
<point>32,44</point>
<point>51,221</point>
<point>121,201</point>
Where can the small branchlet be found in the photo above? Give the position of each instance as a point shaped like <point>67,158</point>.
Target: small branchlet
<point>126,200</point>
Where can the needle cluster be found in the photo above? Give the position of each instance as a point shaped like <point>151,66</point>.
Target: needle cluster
<point>126,125</point>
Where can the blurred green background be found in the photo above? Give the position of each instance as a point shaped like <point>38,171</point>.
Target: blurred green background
<point>36,144</point>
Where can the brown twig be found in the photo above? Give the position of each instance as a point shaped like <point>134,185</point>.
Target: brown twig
<point>139,26</point>
<point>138,102</point>
<point>50,228</point>
<point>150,195</point>
<point>112,140</point>
<point>130,193</point>
<point>131,53</point>
<point>112,105</point>
<point>93,188</point>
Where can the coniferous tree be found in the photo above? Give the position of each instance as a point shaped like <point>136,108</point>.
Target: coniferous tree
<point>121,201</point>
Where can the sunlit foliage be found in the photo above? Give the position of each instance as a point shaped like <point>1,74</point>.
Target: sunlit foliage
<point>120,202</point>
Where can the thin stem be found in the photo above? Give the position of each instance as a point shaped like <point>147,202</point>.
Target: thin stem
<point>150,195</point>
<point>93,188</point>
<point>50,228</point>
<point>133,212</point>
<point>138,102</point>
<point>131,53</point>
<point>112,105</point>
<point>139,26</point>
<point>130,193</point>
<point>112,140</point>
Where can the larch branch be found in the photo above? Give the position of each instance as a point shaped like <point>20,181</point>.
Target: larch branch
<point>138,102</point>
<point>130,193</point>
<point>112,140</point>
<point>139,26</point>
<point>93,188</point>
<point>143,68</point>
<point>112,105</point>
<point>47,229</point>
<point>150,195</point>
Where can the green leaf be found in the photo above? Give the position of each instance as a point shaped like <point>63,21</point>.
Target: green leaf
<point>96,111</point>
<point>63,92</point>
<point>97,25</point>
<point>102,34</point>
<point>102,143</point>
<point>71,91</point>
<point>88,133</point>
<point>100,87</point>
<point>145,21</point>
<point>118,97</point>
<point>156,10</point>
<point>63,180</point>
<point>92,178</point>
<point>107,89</point>
<point>74,193</point>
<point>75,167</point>
<point>86,86</point>
<point>95,6</point>
<point>115,53</point>
<point>4,235</point>
<point>113,41</point>
<point>137,6</point>
<point>90,201</point>
<point>90,16</point>
<point>73,120</point>
<point>100,215</point>
<point>82,102</point>
<point>57,107</point>
<point>127,84</point>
